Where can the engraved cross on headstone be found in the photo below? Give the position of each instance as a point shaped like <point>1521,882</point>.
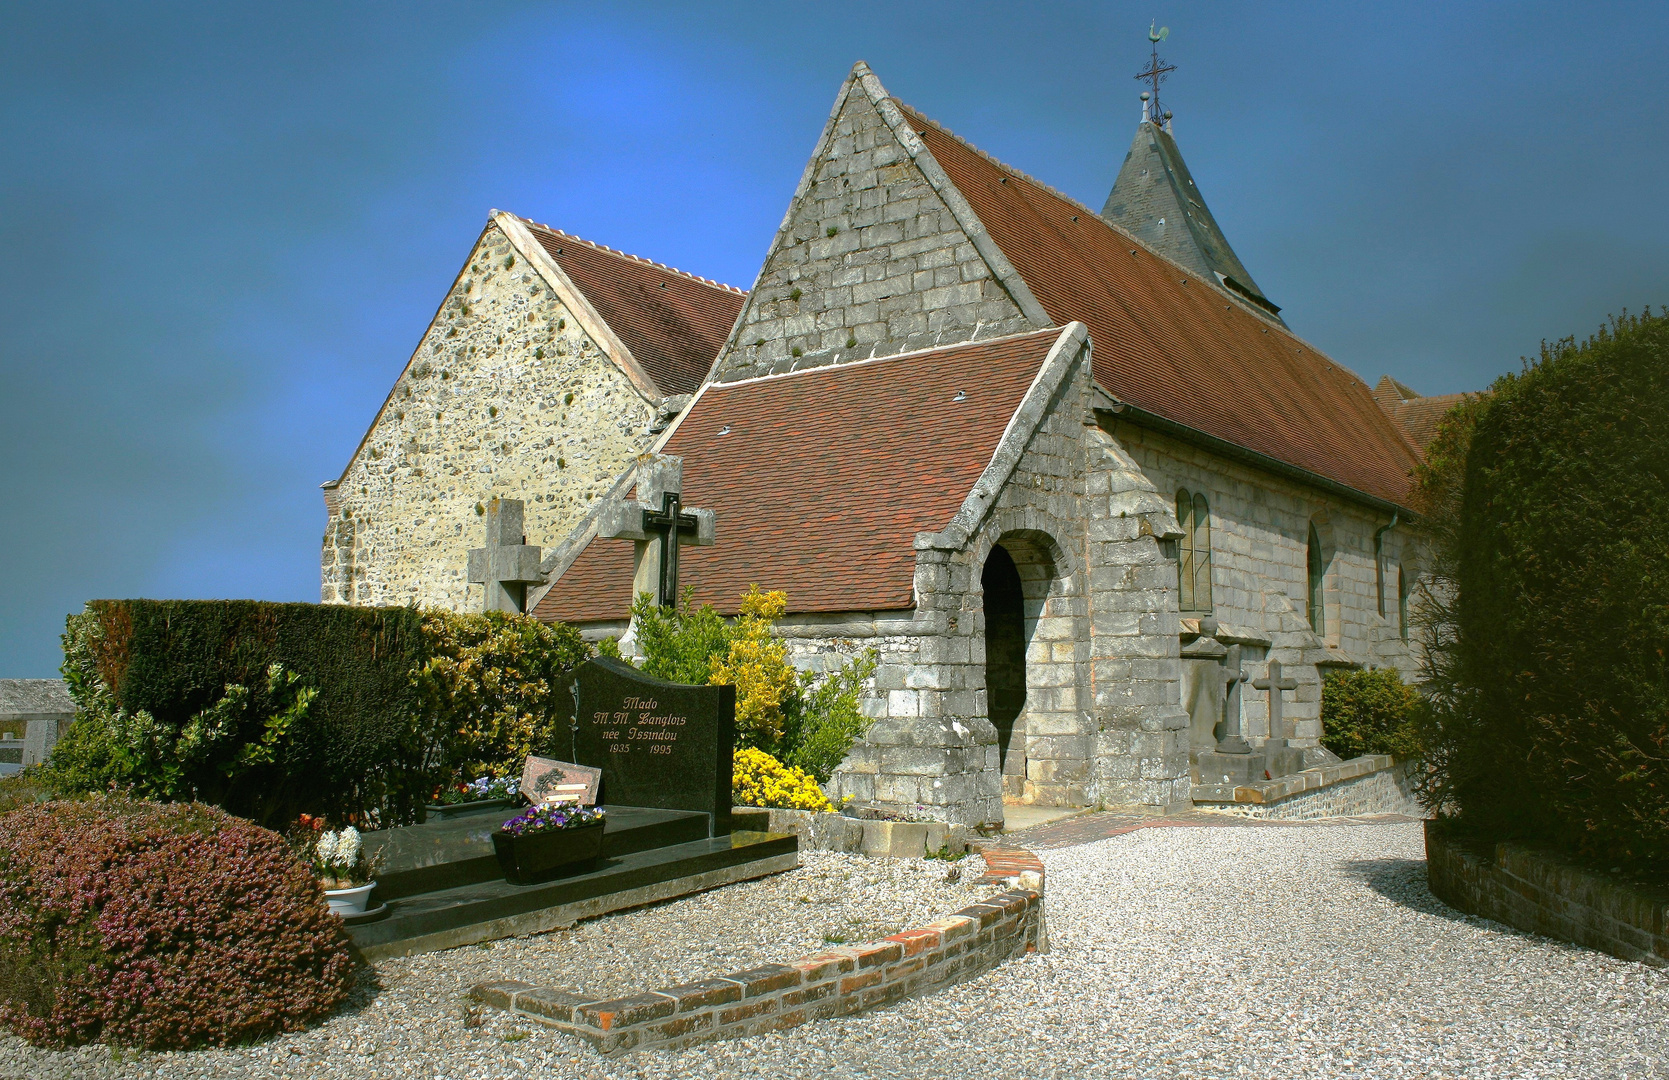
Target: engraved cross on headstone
<point>659,523</point>
<point>508,564</point>
<point>1275,684</point>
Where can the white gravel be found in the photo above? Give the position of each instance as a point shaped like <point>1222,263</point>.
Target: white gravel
<point>1270,952</point>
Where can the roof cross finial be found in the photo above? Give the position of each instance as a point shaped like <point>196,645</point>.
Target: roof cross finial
<point>1156,72</point>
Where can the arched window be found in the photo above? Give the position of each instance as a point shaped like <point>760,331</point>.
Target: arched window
<point>1402,602</point>
<point>1316,596</point>
<point>1193,571</point>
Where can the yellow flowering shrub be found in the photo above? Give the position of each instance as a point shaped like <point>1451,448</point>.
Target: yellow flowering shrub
<point>758,779</point>
<point>756,664</point>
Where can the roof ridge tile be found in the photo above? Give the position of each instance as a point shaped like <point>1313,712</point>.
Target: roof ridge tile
<point>628,255</point>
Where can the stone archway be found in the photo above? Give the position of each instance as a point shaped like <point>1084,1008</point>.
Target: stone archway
<point>1030,665</point>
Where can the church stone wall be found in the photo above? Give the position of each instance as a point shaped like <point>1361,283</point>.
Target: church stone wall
<point>505,396</point>
<point>1259,537</point>
<point>870,261</point>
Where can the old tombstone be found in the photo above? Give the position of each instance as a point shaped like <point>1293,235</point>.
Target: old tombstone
<point>1202,686</point>
<point>508,564</point>
<point>659,523</point>
<point>659,744</point>
<point>1275,684</point>
<point>1233,741</point>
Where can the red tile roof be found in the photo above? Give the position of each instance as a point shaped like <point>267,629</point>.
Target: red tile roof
<point>1417,416</point>
<point>1174,346</point>
<point>824,478</point>
<point>674,323</point>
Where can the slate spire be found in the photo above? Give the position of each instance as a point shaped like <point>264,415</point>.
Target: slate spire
<point>1155,200</point>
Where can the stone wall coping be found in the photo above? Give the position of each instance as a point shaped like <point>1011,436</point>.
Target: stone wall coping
<point>837,981</point>
<point>1544,893</point>
<point>1285,787</point>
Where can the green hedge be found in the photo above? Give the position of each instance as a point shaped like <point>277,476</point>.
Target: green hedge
<point>1554,724</point>
<point>272,710</point>
<point>1369,712</point>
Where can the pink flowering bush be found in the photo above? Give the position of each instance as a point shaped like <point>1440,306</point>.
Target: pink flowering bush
<point>162,926</point>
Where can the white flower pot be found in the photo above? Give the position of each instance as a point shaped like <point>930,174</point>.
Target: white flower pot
<point>349,901</point>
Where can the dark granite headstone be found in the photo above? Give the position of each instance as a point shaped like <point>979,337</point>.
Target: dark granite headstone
<point>660,744</point>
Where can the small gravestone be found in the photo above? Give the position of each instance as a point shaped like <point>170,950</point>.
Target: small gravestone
<point>548,780</point>
<point>659,744</point>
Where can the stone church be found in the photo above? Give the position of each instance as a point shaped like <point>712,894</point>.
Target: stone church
<point>1069,472</point>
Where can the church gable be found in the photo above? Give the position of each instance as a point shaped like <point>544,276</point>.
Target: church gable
<point>518,389</point>
<point>878,254</point>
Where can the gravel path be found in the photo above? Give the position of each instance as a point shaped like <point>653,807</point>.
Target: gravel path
<point>1271,952</point>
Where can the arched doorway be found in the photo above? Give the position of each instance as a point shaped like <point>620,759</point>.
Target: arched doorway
<point>1030,670</point>
<point>1005,662</point>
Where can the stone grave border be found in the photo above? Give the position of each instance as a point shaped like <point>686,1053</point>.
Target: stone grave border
<point>1544,894</point>
<point>835,982</point>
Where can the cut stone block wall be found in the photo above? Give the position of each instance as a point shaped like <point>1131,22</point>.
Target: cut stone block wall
<point>505,396</point>
<point>870,260</point>
<point>1539,892</point>
<point>1371,784</point>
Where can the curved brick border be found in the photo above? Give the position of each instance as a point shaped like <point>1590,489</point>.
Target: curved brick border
<point>1536,891</point>
<point>836,982</point>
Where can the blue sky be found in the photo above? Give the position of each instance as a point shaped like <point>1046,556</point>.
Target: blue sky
<point>223,229</point>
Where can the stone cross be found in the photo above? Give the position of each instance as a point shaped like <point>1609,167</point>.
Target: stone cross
<point>1275,684</point>
<point>1232,741</point>
<point>659,523</point>
<point>508,564</point>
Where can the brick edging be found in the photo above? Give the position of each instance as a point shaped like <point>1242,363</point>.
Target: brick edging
<point>835,982</point>
<point>1539,892</point>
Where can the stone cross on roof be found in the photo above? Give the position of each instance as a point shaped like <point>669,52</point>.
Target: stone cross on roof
<point>657,512</point>
<point>508,564</point>
<point>1275,684</point>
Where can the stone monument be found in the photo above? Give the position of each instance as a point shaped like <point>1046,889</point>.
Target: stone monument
<point>34,714</point>
<point>508,564</point>
<point>659,523</point>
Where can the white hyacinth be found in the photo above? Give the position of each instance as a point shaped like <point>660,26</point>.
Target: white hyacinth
<point>347,846</point>
<point>327,847</point>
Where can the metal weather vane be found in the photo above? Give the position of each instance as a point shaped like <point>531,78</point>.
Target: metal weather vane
<point>1156,72</point>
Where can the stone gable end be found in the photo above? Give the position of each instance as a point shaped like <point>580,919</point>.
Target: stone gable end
<point>505,396</point>
<point>870,260</point>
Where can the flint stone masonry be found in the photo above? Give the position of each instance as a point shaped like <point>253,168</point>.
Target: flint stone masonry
<point>871,253</point>
<point>505,396</point>
<point>1371,784</point>
<point>838,982</point>
<point>1542,893</point>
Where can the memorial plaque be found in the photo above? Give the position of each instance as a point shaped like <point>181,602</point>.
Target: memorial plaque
<point>659,744</point>
<point>546,780</point>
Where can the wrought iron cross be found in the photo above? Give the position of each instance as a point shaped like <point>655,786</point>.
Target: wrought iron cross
<point>1155,73</point>
<point>672,524</point>
<point>659,522</point>
<point>1275,684</point>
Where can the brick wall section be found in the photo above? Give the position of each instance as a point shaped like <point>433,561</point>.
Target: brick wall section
<point>771,997</point>
<point>505,396</point>
<point>899,272</point>
<point>1538,892</point>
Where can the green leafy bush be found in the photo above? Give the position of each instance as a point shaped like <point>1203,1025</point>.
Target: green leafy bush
<point>161,926</point>
<point>807,722</point>
<point>276,710</point>
<point>1552,717</point>
<point>1369,712</point>
<point>495,686</point>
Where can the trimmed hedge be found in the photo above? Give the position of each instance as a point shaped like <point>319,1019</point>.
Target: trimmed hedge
<point>1554,724</point>
<point>275,710</point>
<point>159,926</point>
<point>1369,712</point>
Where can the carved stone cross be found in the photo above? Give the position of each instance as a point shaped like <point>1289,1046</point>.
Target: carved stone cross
<point>508,564</point>
<point>1275,684</point>
<point>659,523</point>
<point>1232,742</point>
